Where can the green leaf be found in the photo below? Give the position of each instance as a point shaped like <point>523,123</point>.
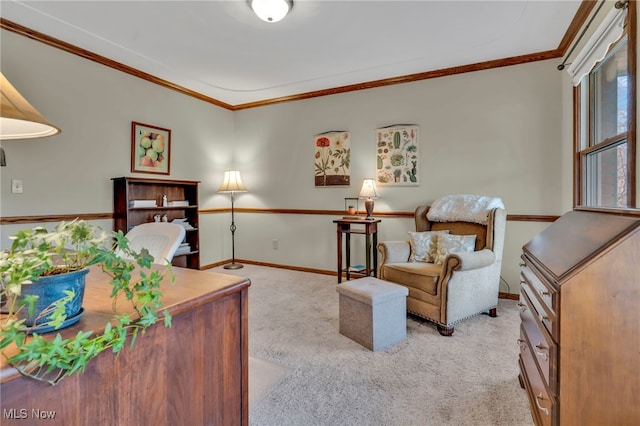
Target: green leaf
<point>73,245</point>
<point>167,318</point>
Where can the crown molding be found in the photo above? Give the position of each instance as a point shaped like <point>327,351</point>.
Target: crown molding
<point>577,22</point>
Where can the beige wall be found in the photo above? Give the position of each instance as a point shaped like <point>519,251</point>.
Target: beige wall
<point>94,106</point>
<point>496,132</point>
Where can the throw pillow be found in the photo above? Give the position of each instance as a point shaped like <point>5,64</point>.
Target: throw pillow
<point>449,243</point>
<point>423,246</point>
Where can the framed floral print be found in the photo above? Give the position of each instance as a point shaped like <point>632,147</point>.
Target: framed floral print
<point>332,159</point>
<point>150,149</point>
<point>397,155</point>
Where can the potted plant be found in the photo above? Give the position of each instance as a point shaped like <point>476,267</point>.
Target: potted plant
<point>38,256</point>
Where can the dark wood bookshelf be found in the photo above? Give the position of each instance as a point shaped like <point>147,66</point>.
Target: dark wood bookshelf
<point>126,189</point>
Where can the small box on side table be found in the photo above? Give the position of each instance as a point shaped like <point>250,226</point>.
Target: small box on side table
<point>373,312</point>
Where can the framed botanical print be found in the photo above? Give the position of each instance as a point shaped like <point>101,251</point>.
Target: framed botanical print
<point>397,155</point>
<point>332,159</point>
<point>150,149</point>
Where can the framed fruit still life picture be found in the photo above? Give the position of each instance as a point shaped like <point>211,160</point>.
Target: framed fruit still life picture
<point>150,149</point>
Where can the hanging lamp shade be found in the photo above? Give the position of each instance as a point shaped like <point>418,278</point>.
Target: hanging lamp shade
<point>18,119</point>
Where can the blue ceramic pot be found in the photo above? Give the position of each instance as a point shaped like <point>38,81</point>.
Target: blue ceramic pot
<point>49,289</point>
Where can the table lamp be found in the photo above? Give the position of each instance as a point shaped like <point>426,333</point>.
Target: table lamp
<point>368,192</point>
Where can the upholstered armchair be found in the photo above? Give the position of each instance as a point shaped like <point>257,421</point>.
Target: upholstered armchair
<point>448,282</point>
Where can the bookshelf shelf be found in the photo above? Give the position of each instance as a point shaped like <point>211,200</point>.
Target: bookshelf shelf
<point>127,189</point>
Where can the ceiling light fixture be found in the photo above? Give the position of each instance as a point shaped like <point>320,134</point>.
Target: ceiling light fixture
<point>271,10</point>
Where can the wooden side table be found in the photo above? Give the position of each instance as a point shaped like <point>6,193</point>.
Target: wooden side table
<point>369,229</point>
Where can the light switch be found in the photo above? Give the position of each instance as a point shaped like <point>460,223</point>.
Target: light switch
<point>16,186</point>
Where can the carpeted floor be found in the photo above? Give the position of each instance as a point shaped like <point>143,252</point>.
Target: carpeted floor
<point>303,372</point>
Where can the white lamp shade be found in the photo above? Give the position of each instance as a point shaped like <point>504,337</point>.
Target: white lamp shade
<point>232,182</point>
<point>368,189</point>
<point>18,119</point>
<point>271,10</point>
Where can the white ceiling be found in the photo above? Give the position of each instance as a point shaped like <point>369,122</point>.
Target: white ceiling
<point>223,51</point>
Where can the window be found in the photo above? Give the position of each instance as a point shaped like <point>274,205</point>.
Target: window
<point>605,132</point>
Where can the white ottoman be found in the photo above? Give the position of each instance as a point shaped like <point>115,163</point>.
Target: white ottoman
<point>373,312</point>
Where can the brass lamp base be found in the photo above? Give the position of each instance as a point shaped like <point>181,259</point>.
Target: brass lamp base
<point>233,265</point>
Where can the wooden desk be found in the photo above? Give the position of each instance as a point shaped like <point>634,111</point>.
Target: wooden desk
<point>194,373</point>
<point>579,320</point>
<point>370,231</point>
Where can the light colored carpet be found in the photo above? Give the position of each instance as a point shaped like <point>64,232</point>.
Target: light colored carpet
<point>470,378</point>
<point>264,375</point>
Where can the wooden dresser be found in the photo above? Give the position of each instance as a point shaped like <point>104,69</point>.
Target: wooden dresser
<point>580,321</point>
<point>193,373</point>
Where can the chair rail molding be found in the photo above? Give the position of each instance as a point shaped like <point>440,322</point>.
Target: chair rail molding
<point>13,220</point>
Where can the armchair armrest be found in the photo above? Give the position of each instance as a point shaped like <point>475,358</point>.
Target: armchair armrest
<point>471,260</point>
<point>394,251</point>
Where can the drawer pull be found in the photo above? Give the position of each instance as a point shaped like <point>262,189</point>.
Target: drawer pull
<point>543,317</point>
<point>543,293</point>
<point>540,350</point>
<point>522,306</point>
<point>522,344</point>
<point>544,410</point>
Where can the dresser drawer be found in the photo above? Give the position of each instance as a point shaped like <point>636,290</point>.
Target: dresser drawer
<point>545,316</point>
<point>545,293</point>
<point>542,347</point>
<point>543,405</point>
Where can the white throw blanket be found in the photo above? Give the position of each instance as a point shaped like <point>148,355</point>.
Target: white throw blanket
<point>465,208</point>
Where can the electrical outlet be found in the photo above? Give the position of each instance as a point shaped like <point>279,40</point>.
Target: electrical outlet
<point>274,244</point>
<point>16,186</point>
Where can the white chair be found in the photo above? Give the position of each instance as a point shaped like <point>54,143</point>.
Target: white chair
<point>160,238</point>
<point>454,285</point>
